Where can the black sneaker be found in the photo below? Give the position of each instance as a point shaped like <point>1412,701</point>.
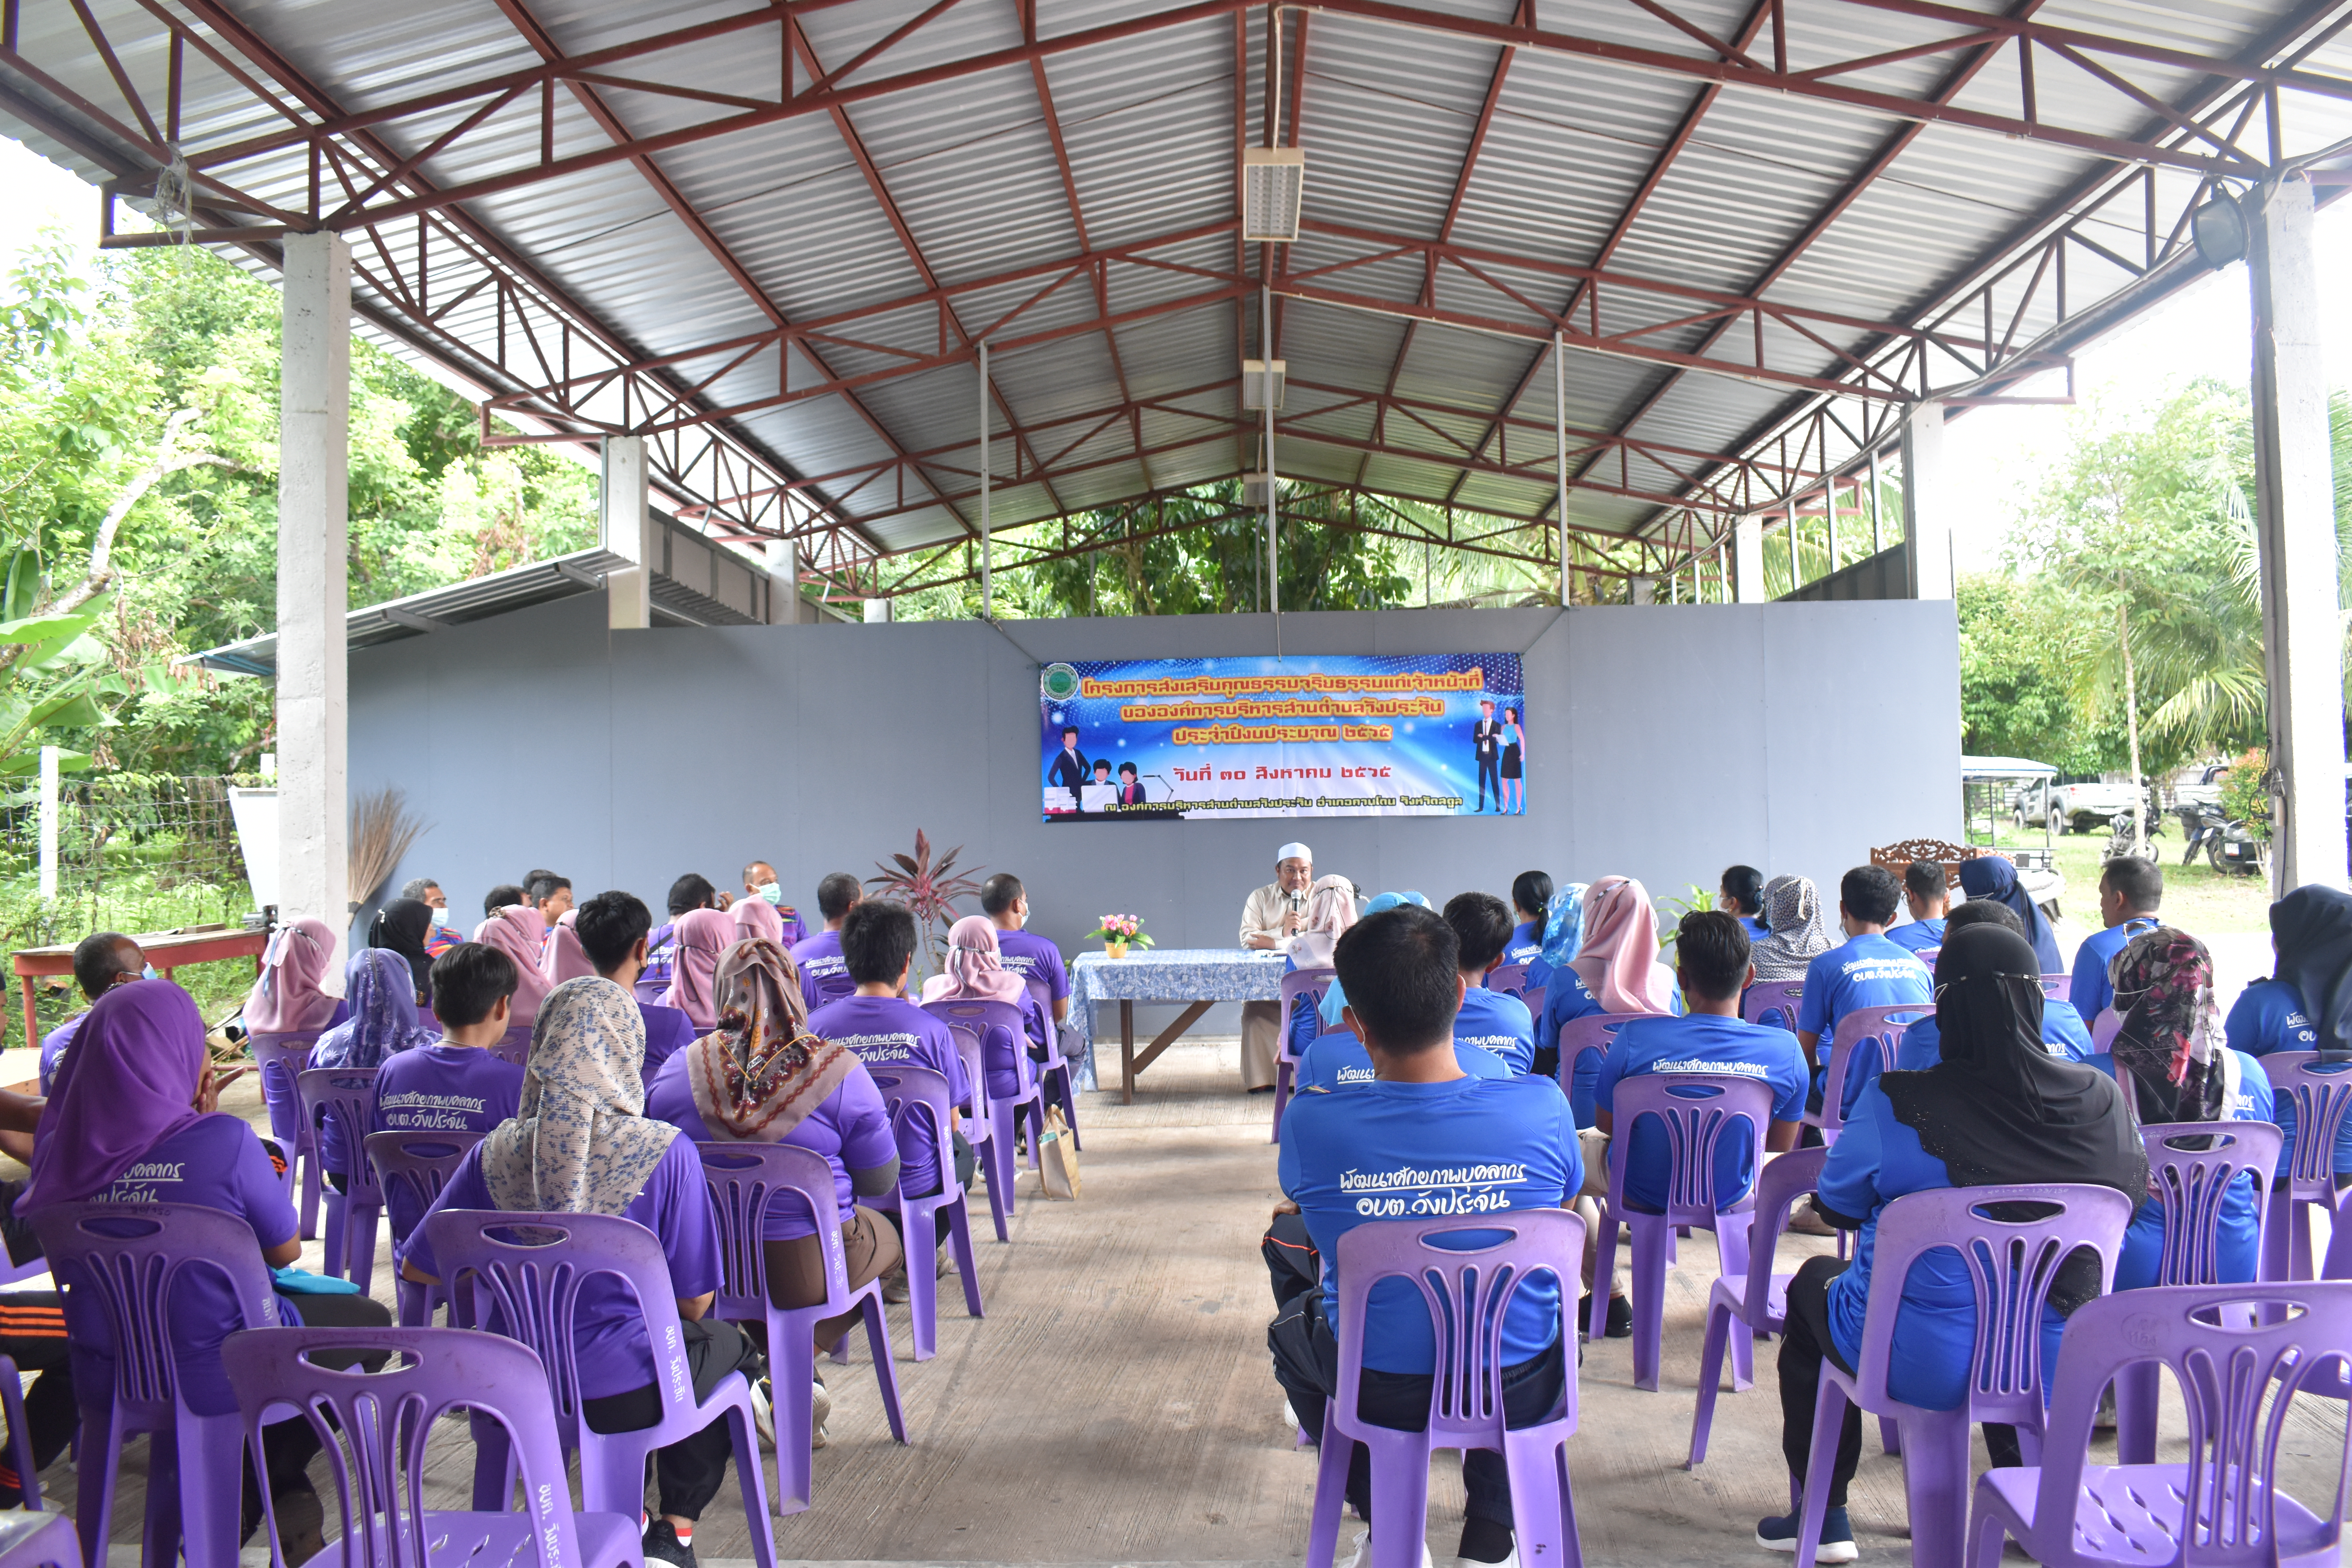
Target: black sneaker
<point>662,1546</point>
<point>1780,1534</point>
<point>1620,1322</point>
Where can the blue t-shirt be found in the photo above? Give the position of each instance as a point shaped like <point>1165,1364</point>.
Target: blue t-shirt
<point>1876,1161</point>
<point>1918,936</point>
<point>824,974</point>
<point>439,1089</point>
<point>1565,1001</point>
<point>2091,992</point>
<point>54,1045</point>
<point>2269,1019</point>
<point>2238,1241</point>
<point>851,1128</point>
<point>885,1030</point>
<point>1756,929</point>
<point>1922,1046</point>
<point>1335,1062</point>
<point>1868,971</point>
<point>1527,943</point>
<point>1698,1043</point>
<point>608,1327</point>
<point>1400,1151</point>
<point>1498,1022</point>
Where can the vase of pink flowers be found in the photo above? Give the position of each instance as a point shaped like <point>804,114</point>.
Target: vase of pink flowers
<point>1120,933</point>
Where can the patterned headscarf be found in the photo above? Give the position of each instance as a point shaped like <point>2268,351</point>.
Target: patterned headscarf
<point>701,936</point>
<point>1330,911</point>
<point>383,1019</point>
<point>1564,925</point>
<point>976,971</point>
<point>2170,1036</point>
<point>1795,934</point>
<point>760,1073</point>
<point>580,1144</point>
<point>286,998</point>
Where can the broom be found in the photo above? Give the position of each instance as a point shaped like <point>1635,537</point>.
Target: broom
<point>382,829</point>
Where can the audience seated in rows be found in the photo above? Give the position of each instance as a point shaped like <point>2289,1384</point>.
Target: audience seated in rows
<point>402,927</point>
<point>2064,1033</point>
<point>824,977</point>
<point>2301,1006</point>
<point>1741,894</point>
<point>550,894</point>
<point>1865,971</point>
<point>1797,933</point>
<point>440,936</point>
<point>975,972</point>
<point>1615,970</point>
<point>1927,895</point>
<point>519,931</point>
<point>1494,1021</point>
<point>2130,890</point>
<point>1037,961</point>
<point>384,1021</point>
<point>612,930</point>
<point>702,935</point>
<point>1530,903</point>
<point>452,1084</point>
<point>691,891</point>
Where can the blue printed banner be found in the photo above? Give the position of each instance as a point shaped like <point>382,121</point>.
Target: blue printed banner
<point>1352,735</point>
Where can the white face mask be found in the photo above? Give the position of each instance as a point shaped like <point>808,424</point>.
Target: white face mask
<point>440,917</point>
<point>772,892</point>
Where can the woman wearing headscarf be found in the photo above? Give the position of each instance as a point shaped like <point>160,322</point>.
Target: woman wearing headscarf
<point>582,1144</point>
<point>2306,1002</point>
<point>564,958</point>
<point>2170,1045</point>
<point>761,1077</point>
<point>1997,1110</point>
<point>402,926</point>
<point>519,932</point>
<point>287,996</point>
<point>382,1022</point>
<point>1795,932</point>
<point>1995,877</point>
<point>134,1119</point>
<point>758,917</point>
<point>700,937</point>
<point>976,973</point>
<point>1615,969</point>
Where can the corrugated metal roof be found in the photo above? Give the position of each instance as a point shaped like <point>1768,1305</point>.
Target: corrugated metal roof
<point>850,212</point>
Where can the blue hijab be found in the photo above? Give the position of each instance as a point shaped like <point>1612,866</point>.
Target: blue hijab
<point>1334,997</point>
<point>1563,927</point>
<point>382,992</point>
<point>1994,877</point>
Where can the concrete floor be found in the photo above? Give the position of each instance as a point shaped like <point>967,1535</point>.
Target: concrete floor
<point>1115,1405</point>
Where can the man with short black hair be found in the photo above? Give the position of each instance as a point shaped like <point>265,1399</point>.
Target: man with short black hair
<point>455,1084</point>
<point>2130,891</point>
<point>506,895</point>
<point>2063,1032</point>
<point>1498,1143</point>
<point>550,895</point>
<point>1867,971</point>
<point>1005,902</point>
<point>612,928</point>
<point>102,962</point>
<point>825,974</point>
<point>1926,893</point>
<point>759,882</point>
<point>691,891</point>
<point>1490,1020</point>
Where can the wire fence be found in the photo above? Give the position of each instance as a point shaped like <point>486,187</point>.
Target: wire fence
<point>136,852</point>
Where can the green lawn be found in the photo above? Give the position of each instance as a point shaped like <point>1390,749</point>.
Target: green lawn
<point>2196,898</point>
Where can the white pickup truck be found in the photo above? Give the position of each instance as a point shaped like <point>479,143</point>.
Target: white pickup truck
<point>2081,808</point>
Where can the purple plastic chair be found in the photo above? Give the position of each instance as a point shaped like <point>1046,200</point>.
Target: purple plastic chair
<point>1510,979</point>
<point>1310,984</point>
<point>1054,1075</point>
<point>20,1435</point>
<point>2104,1028</point>
<point>2322,1096</point>
<point>280,1057</point>
<point>351,1214</point>
<point>514,1046</point>
<point>1773,1002</point>
<point>2055,987</point>
<point>979,1020</point>
<point>1590,1033</point>
<point>2338,1265</point>
<point>1467,1293</point>
<point>2013,1264</point>
<point>374,1427</point>
<point>982,1135</point>
<point>528,1268</point>
<point>917,1098</point>
<point>1873,1029</point>
<point>745,1179</point>
<point>422,1164</point>
<point>1758,1301</point>
<point>2191,1184</point>
<point>194,1461</point>
<point>1695,1111</point>
<point>36,1540</point>
<point>2236,1378</point>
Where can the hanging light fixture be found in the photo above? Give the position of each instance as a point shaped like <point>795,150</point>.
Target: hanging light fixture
<point>1254,381</point>
<point>1274,180</point>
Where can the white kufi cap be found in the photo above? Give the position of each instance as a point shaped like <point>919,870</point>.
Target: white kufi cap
<point>1294,852</point>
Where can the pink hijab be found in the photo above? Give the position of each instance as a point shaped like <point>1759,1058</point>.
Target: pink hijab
<point>565,959</point>
<point>287,997</point>
<point>758,917</point>
<point>1330,911</point>
<point>1619,959</point>
<point>976,972</point>
<point>519,932</point>
<point>702,935</point>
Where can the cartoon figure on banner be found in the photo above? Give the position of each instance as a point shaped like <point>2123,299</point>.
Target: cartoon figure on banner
<point>1130,787</point>
<point>1068,772</point>
<point>1487,739</point>
<point>1514,764</point>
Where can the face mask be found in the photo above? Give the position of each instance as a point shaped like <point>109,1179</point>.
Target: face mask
<point>772,892</point>
<point>148,973</point>
<point>440,917</point>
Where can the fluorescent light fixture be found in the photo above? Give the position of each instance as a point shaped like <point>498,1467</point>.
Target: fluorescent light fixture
<point>1253,383</point>
<point>1254,490</point>
<point>1273,180</point>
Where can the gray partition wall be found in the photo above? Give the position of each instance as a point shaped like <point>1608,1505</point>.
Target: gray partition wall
<point>1664,742</point>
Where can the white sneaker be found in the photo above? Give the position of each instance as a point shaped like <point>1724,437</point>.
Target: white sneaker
<point>763,1414</point>
<point>1511,1562</point>
<point>820,1406</point>
<point>1363,1557</point>
<point>894,1287</point>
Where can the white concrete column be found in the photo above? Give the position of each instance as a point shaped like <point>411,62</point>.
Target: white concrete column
<point>313,566</point>
<point>1927,505</point>
<point>1645,590</point>
<point>626,526</point>
<point>784,607</point>
<point>2295,524</point>
<point>877,612</point>
<point>1748,560</point>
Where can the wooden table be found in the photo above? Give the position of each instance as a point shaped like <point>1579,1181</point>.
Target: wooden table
<point>166,951</point>
<point>1199,977</point>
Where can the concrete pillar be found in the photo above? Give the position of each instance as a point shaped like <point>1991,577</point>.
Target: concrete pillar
<point>2295,524</point>
<point>1748,560</point>
<point>1927,505</point>
<point>1645,590</point>
<point>626,526</point>
<point>314,544</point>
<point>877,612</point>
<point>785,607</point>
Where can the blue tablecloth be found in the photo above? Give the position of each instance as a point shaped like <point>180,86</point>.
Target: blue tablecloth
<point>1172,975</point>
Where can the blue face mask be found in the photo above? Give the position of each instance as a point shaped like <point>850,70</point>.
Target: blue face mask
<point>148,973</point>
<point>772,892</point>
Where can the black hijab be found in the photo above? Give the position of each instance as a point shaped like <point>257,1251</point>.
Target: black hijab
<point>1995,877</point>
<point>2313,930</point>
<point>400,927</point>
<point>1998,1109</point>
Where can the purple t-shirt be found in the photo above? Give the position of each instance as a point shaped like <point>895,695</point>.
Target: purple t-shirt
<point>54,1045</point>
<point>851,1129</point>
<point>1032,957</point>
<point>884,1029</point>
<point>661,952</point>
<point>667,1031</point>
<point>824,974</point>
<point>439,1089</point>
<point>216,1162</point>
<point>609,1330</point>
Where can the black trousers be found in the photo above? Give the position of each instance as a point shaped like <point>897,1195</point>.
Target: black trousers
<point>289,1446</point>
<point>688,1472</point>
<point>1306,1365</point>
<point>1487,775</point>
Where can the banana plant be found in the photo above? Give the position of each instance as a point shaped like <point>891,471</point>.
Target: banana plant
<point>49,671</point>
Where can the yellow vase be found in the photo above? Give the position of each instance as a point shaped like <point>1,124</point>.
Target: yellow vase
<point>1115,949</point>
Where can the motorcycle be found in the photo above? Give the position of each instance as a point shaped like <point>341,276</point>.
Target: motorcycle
<point>2225,842</point>
<point>2151,826</point>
